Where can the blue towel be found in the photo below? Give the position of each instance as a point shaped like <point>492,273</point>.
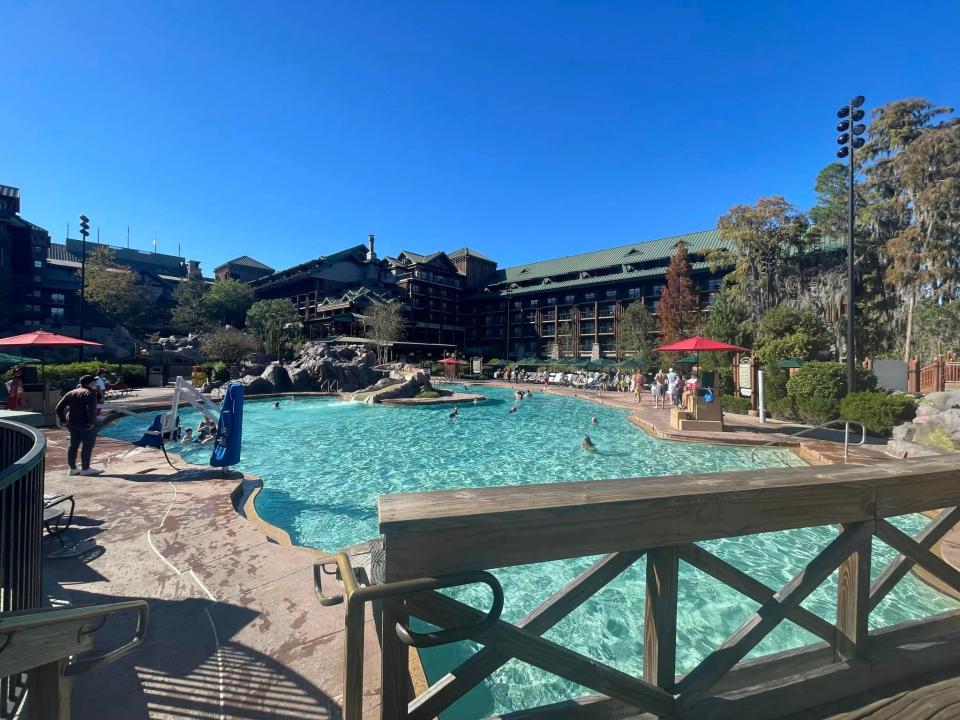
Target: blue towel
<point>226,446</point>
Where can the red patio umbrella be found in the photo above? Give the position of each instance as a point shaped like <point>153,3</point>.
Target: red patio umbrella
<point>43,339</point>
<point>452,361</point>
<point>698,343</point>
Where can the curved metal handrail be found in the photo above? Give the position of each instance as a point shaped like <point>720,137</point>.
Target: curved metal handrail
<point>32,458</point>
<point>355,595</point>
<point>846,435</point>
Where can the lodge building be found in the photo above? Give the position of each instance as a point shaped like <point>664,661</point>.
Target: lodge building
<point>462,301</point>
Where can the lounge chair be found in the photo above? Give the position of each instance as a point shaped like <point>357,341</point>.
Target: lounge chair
<point>54,510</point>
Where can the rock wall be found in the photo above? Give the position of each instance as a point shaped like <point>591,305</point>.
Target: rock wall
<point>935,429</point>
<point>351,367</point>
<point>395,386</point>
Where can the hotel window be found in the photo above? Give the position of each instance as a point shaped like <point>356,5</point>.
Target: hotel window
<point>35,293</point>
<point>534,302</point>
<point>610,294</point>
<point>569,299</point>
<point>518,303</point>
<point>657,289</point>
<point>633,293</point>
<point>38,263</point>
<point>714,283</point>
<point>56,313</point>
<point>551,300</point>
<point>37,278</point>
<point>589,296</point>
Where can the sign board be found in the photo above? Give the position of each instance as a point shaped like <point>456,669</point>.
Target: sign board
<point>476,365</point>
<point>745,376</point>
<point>891,374</point>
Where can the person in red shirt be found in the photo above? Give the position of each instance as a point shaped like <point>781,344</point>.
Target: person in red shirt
<point>78,411</point>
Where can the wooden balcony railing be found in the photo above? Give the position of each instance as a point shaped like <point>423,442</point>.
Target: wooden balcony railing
<point>434,535</point>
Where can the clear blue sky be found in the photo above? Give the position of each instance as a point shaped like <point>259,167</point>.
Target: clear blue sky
<point>523,129</point>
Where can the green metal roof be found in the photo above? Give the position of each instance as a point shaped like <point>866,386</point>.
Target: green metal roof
<point>595,280</point>
<point>246,261</point>
<point>638,252</point>
<point>471,253</point>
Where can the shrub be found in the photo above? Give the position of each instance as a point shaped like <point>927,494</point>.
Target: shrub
<point>782,409</point>
<point>67,374</point>
<point>826,380</point>
<point>428,394</point>
<point>817,410</point>
<point>877,411</point>
<point>218,371</point>
<point>735,404</point>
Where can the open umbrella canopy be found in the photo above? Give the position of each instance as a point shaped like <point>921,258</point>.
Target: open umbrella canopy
<point>701,344</point>
<point>452,361</point>
<point>532,362</point>
<point>632,364</point>
<point>497,363</point>
<point>9,360</point>
<point>42,338</point>
<point>688,360</point>
<point>790,363</point>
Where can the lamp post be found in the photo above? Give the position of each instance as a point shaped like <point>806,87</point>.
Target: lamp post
<point>849,140</point>
<point>84,233</point>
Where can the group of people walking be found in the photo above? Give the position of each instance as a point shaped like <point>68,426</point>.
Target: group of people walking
<point>671,388</point>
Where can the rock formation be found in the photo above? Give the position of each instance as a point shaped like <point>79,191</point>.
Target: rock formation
<point>935,429</point>
<point>349,368</point>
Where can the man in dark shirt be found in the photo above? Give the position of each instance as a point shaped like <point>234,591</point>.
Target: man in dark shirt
<point>78,411</point>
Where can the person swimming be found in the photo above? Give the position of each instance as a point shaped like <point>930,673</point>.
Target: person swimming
<point>187,436</point>
<point>512,410</point>
<point>594,420</point>
<point>587,444</point>
<point>453,413</point>
<point>276,405</point>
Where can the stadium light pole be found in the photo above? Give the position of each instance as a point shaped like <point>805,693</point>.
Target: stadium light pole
<point>849,140</point>
<point>84,233</point>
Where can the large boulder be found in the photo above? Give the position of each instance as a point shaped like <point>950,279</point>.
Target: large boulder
<point>936,429</point>
<point>395,386</point>
<point>302,381</point>
<point>350,367</point>
<point>256,385</point>
<point>941,400</point>
<point>277,376</point>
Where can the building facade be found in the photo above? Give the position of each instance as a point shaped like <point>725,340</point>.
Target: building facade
<point>461,300</point>
<point>40,279</point>
<point>243,268</point>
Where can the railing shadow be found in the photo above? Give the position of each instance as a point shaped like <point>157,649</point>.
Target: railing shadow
<point>188,667</point>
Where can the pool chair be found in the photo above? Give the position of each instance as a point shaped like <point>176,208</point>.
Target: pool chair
<point>57,519</point>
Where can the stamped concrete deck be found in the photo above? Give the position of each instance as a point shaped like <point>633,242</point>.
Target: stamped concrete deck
<point>235,629</point>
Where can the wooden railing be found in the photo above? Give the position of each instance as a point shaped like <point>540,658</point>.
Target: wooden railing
<point>429,535</point>
<point>21,514</point>
<point>940,375</point>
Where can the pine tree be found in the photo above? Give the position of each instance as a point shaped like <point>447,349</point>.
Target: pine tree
<point>678,316</point>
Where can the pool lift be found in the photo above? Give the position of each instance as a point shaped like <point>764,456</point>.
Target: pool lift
<point>228,419</point>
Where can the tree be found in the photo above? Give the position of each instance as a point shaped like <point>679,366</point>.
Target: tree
<point>766,242</point>
<point>385,324</point>
<point>678,315</point>
<point>566,343</point>
<point>728,321</point>
<point>903,209</point>
<point>230,346</point>
<point>636,332</point>
<point>788,333</point>
<point>937,328</point>
<point>227,302</point>
<point>189,314</point>
<point>273,322</point>
<point>115,290</point>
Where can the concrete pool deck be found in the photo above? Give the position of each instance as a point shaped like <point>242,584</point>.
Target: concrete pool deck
<point>235,628</point>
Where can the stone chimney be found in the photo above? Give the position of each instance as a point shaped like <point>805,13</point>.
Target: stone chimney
<point>193,268</point>
<point>371,255</point>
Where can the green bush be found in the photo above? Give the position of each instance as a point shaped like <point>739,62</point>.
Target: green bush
<point>735,404</point>
<point>877,411</point>
<point>428,394</point>
<point>817,410</point>
<point>782,409</point>
<point>218,371</point>
<point>826,381</point>
<point>67,374</point>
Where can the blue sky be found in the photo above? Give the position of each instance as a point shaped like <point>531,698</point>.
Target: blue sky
<point>523,129</point>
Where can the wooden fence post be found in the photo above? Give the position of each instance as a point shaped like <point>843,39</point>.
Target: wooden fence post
<point>394,664</point>
<point>853,601</point>
<point>940,385</point>
<point>660,623</point>
<point>913,376</point>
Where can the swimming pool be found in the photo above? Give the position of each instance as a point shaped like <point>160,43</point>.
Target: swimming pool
<point>324,462</point>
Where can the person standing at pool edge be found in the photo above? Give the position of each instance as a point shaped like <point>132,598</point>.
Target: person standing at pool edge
<point>78,411</point>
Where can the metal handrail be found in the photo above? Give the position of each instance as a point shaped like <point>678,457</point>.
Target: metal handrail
<point>846,436</point>
<point>354,597</point>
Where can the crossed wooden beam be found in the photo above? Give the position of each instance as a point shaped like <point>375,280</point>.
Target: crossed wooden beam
<point>524,641</point>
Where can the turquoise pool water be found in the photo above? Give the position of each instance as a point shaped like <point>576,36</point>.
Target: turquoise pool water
<point>324,462</point>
